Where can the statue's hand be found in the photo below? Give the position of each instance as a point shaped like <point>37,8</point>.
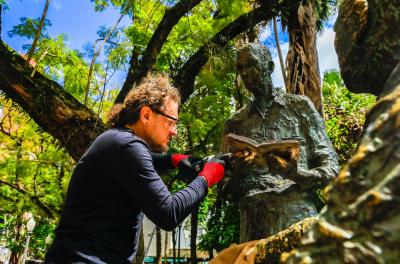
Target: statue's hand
<point>288,169</point>
<point>245,157</point>
<point>281,166</point>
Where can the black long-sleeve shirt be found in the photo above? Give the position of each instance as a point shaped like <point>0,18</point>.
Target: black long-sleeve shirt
<point>113,184</point>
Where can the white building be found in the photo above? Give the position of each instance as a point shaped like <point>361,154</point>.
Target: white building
<point>183,243</point>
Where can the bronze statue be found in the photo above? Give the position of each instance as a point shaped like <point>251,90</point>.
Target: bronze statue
<point>272,200</point>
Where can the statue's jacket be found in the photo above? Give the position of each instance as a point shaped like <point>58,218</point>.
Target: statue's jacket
<point>288,117</point>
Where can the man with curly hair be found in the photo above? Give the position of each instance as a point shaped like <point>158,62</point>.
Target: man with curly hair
<point>116,181</point>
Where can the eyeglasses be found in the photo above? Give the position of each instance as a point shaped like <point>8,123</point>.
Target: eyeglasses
<point>171,124</point>
<point>163,114</point>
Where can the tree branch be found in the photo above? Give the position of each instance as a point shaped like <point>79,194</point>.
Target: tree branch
<point>1,11</point>
<point>39,30</point>
<point>187,74</point>
<point>48,104</point>
<point>97,53</point>
<point>139,70</point>
<point>48,211</point>
<point>278,48</point>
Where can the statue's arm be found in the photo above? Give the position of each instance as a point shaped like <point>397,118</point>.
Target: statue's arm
<point>323,163</point>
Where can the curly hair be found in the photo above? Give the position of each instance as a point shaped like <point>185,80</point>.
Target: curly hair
<point>151,92</point>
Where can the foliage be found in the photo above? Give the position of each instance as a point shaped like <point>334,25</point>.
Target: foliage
<point>344,114</point>
<point>3,5</point>
<point>323,10</point>
<point>126,6</point>
<point>191,32</point>
<point>34,173</point>
<point>28,28</point>
<point>34,170</point>
<point>222,227</point>
<point>38,171</point>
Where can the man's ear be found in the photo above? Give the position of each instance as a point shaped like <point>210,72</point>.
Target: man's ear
<point>145,114</point>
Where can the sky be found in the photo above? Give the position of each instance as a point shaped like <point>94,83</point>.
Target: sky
<point>78,20</point>
<point>325,47</point>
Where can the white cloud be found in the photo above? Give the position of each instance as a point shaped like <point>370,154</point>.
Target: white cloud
<point>326,51</point>
<point>331,20</point>
<point>277,78</point>
<point>56,4</point>
<point>265,33</point>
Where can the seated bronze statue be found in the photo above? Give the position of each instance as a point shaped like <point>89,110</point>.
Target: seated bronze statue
<point>272,199</point>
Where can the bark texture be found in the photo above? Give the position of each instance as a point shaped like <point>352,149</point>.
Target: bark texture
<point>280,197</point>
<point>361,224</point>
<point>269,250</point>
<point>48,104</point>
<point>302,58</point>
<point>366,43</point>
<point>139,70</point>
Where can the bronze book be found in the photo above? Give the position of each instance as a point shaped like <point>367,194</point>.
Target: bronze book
<point>287,149</point>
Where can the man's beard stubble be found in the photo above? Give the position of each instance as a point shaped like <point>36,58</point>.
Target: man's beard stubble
<point>155,147</point>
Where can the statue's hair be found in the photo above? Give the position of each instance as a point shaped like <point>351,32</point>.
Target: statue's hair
<point>151,92</point>
<point>260,52</point>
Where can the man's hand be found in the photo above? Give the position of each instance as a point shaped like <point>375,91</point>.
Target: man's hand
<point>213,171</point>
<point>178,158</point>
<point>189,166</point>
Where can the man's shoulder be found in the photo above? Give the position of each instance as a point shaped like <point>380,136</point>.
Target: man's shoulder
<point>120,136</point>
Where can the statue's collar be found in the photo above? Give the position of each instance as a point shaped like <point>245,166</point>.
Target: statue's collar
<point>277,98</point>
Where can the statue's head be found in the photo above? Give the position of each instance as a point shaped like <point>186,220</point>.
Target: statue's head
<point>255,66</point>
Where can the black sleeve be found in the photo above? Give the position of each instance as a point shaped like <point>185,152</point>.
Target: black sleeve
<point>150,194</point>
<point>162,162</point>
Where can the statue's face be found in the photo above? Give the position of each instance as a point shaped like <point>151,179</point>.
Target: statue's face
<point>250,71</point>
<point>256,74</point>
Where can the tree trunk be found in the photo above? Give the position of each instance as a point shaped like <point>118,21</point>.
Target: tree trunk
<point>173,245</point>
<point>165,248</point>
<point>361,224</point>
<point>302,59</point>
<point>362,221</point>
<point>158,245</point>
<point>139,258</point>
<point>193,235</point>
<point>367,47</point>
<point>266,251</point>
<point>137,71</point>
<point>15,253</point>
<point>278,48</point>
<point>48,104</point>
<point>179,242</point>
<point>1,10</point>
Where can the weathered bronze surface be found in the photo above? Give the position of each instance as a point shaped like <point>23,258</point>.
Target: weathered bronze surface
<point>271,201</point>
<point>362,221</point>
<point>367,44</point>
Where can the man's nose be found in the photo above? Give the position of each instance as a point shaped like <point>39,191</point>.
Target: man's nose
<point>173,131</point>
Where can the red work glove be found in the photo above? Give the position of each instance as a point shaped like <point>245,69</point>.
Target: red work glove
<point>213,171</point>
<point>177,158</point>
